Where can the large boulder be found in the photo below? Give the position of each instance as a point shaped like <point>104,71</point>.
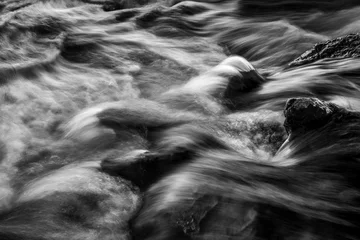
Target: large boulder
<point>341,47</point>
<point>306,113</point>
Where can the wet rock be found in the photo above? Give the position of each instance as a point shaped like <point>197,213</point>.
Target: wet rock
<point>246,82</point>
<point>3,151</point>
<point>306,113</point>
<point>269,7</point>
<point>109,5</point>
<point>342,47</point>
<point>113,5</point>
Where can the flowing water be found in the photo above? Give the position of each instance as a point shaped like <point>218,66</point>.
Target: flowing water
<point>58,57</point>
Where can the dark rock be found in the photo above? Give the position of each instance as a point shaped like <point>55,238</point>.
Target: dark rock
<point>306,113</point>
<point>270,7</point>
<point>342,47</point>
<point>246,82</point>
<point>126,14</point>
<point>3,151</point>
<point>113,5</point>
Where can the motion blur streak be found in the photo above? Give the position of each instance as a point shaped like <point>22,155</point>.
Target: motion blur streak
<point>69,69</point>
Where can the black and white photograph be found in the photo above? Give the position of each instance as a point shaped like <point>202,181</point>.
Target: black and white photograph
<point>179,120</point>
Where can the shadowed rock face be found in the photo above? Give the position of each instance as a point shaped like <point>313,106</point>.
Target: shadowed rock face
<point>342,47</point>
<point>306,113</point>
<point>257,7</point>
<point>113,5</point>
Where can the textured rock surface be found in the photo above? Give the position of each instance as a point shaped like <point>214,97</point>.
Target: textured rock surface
<point>113,5</point>
<point>305,113</point>
<point>342,47</point>
<point>255,7</point>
